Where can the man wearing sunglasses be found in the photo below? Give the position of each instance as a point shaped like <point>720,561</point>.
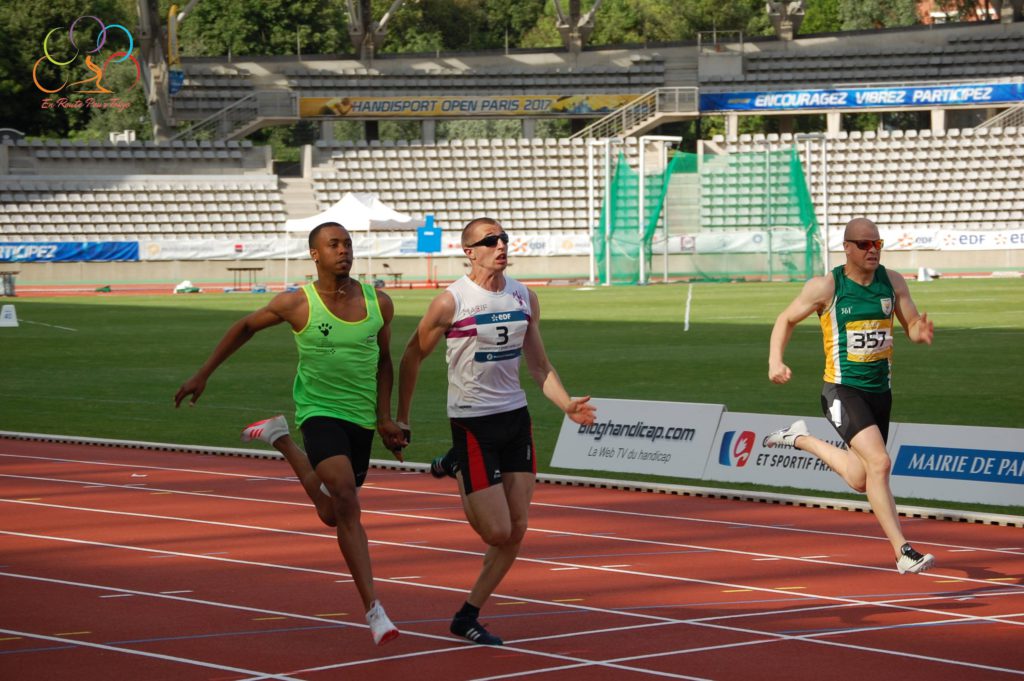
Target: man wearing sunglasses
<point>855,305</point>
<point>488,321</point>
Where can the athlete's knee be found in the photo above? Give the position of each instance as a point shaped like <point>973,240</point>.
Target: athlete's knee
<point>517,532</point>
<point>346,503</point>
<point>859,485</point>
<point>495,532</point>
<point>879,465</point>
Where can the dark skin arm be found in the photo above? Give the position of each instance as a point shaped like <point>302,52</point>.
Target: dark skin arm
<point>284,307</point>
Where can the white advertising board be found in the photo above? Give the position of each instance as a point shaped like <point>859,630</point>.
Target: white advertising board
<point>739,453</point>
<point>958,463</point>
<point>639,436</point>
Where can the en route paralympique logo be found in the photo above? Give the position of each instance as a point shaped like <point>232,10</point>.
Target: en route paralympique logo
<point>62,49</point>
<point>736,448</point>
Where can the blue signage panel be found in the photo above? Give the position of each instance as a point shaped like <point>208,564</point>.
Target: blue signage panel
<point>864,98</point>
<point>960,463</point>
<point>69,251</point>
<point>428,237</point>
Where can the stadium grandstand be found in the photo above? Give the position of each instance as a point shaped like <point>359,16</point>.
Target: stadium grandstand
<point>946,190</point>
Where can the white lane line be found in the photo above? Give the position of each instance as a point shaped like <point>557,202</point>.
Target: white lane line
<point>532,530</point>
<point>52,326</point>
<point>258,675</point>
<point>142,653</point>
<point>534,503</point>
<point>549,563</point>
<point>706,622</point>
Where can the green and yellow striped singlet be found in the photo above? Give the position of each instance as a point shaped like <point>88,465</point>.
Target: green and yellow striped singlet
<point>337,372</point>
<point>857,332</point>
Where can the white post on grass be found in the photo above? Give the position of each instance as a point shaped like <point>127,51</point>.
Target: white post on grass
<point>689,298</point>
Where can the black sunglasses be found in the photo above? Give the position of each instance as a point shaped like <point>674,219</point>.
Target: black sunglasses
<point>490,241</point>
<point>865,244</point>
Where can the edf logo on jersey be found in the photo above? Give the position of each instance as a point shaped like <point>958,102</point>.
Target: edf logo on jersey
<point>736,448</point>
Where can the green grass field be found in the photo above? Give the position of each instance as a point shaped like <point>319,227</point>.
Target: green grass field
<point>114,374</point>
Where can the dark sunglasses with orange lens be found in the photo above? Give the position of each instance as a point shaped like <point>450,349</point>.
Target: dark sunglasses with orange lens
<point>865,244</point>
<point>490,241</point>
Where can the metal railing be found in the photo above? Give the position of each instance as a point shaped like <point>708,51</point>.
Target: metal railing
<point>717,42</point>
<point>1013,117</point>
<point>646,107</point>
<point>245,112</point>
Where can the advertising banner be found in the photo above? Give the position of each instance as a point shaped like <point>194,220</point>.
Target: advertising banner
<point>739,453</point>
<point>958,463</point>
<point>467,106</point>
<point>69,251</point>
<point>967,94</point>
<point>639,436</point>
<point>941,239</point>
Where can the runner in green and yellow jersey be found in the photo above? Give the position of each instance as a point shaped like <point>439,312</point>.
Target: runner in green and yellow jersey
<point>342,392</point>
<point>855,304</point>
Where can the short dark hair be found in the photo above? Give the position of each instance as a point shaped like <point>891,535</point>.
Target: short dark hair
<point>316,231</point>
<point>473,223</point>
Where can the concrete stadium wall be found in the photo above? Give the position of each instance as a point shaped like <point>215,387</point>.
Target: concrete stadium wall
<point>215,272</point>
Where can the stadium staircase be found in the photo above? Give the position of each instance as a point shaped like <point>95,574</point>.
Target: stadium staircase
<point>252,112</point>
<point>1011,118</point>
<point>646,112</point>
<point>298,196</point>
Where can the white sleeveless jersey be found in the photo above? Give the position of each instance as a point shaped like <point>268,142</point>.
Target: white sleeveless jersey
<point>485,342</point>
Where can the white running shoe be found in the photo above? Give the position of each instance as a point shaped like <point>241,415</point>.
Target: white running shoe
<point>268,430</point>
<point>380,626</point>
<point>787,436</point>
<point>913,562</point>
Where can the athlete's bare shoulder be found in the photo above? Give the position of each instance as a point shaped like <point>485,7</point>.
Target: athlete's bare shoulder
<point>291,306</point>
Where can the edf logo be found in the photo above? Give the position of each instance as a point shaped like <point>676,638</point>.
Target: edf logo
<point>736,448</point>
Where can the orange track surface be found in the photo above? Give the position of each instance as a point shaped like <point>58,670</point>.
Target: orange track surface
<point>134,564</point>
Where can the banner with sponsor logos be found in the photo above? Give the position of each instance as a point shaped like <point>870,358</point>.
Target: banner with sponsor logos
<point>366,244</point>
<point>739,453</point>
<point>639,436</point>
<point>970,464</point>
<point>466,106</point>
<point>69,251</point>
<point>972,94</point>
<point>941,239</point>
<point>958,463</point>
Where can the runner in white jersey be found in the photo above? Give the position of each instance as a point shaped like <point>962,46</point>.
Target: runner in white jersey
<point>489,321</point>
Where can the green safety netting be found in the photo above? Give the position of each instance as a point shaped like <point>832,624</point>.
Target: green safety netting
<point>728,217</point>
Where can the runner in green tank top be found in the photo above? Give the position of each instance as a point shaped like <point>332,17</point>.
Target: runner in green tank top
<point>342,392</point>
<point>855,304</point>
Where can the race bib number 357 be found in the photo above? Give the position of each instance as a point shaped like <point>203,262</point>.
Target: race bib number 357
<point>869,340</point>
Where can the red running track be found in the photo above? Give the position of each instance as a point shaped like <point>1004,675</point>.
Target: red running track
<point>135,564</point>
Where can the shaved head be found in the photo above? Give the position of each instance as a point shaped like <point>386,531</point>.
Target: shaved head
<point>469,230</point>
<point>860,228</point>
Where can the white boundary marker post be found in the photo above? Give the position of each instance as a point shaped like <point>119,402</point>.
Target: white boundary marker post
<point>689,297</point>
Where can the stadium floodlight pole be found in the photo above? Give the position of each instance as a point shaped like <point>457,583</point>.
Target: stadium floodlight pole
<point>642,199</point>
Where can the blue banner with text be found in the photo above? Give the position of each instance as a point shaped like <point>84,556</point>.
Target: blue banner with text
<point>69,251</point>
<point>967,94</point>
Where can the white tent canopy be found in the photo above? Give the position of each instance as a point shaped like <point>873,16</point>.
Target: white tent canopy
<point>356,213</point>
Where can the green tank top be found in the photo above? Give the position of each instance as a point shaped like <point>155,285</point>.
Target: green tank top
<point>337,372</point>
<point>857,332</point>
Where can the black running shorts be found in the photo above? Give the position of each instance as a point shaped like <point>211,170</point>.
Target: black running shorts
<point>487,446</point>
<point>324,437</point>
<point>851,410</point>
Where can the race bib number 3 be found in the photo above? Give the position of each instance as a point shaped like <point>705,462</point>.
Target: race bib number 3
<point>499,335</point>
<point>869,340</point>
